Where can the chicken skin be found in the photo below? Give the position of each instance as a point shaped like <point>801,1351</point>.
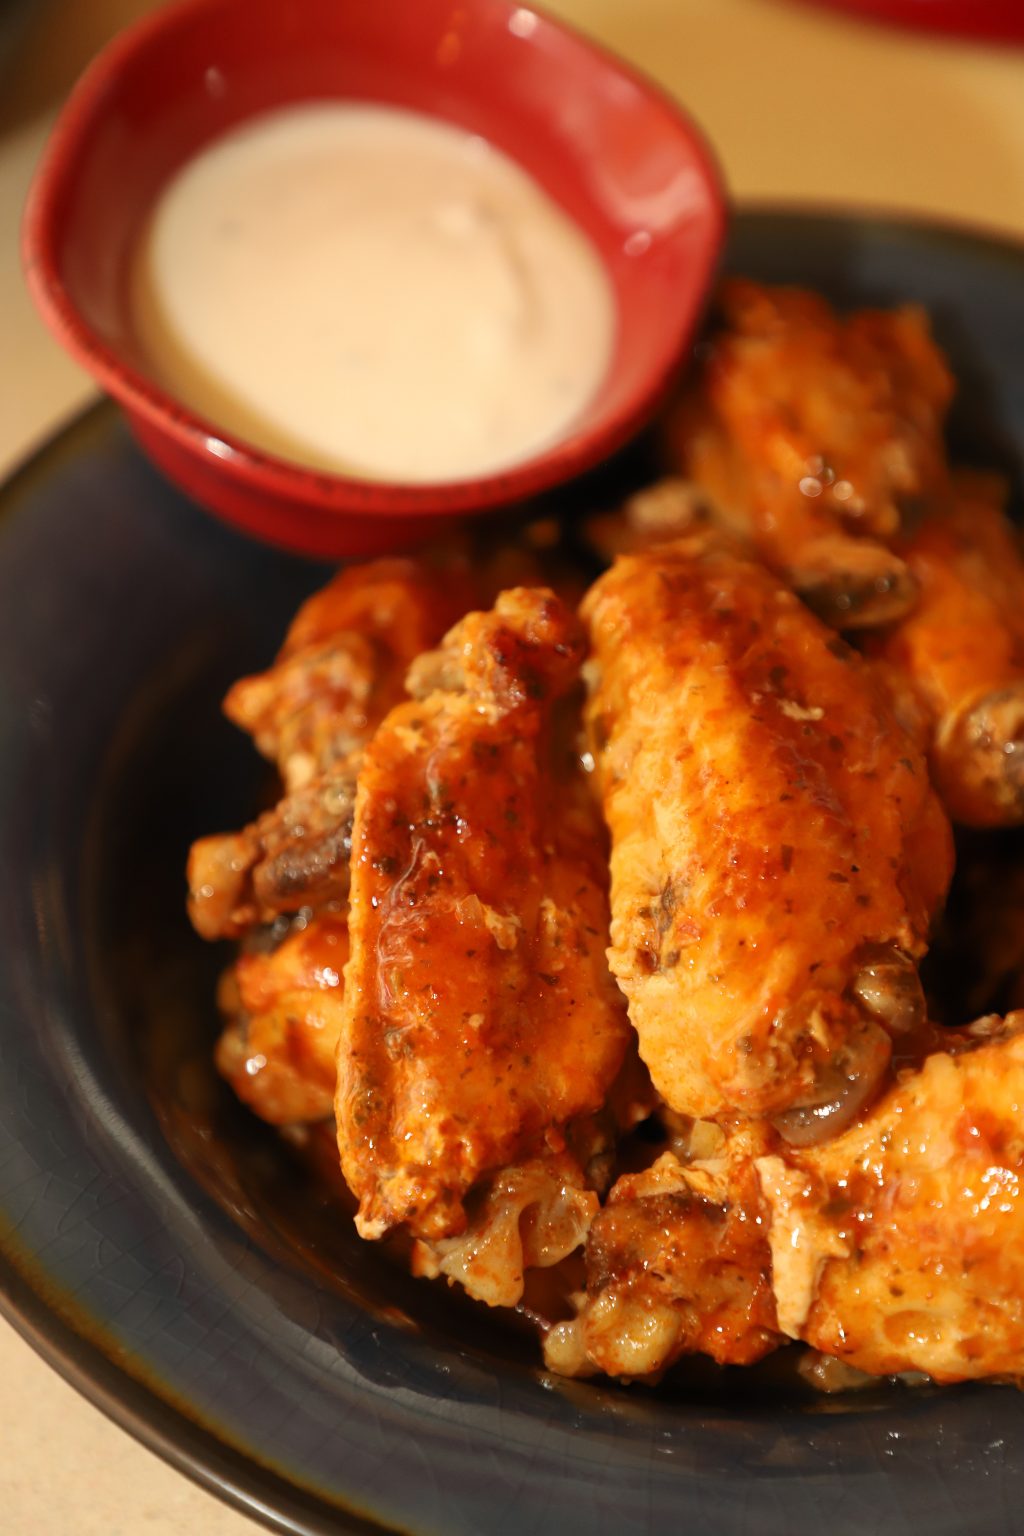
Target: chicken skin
<point>777,853</point>
<point>677,1264</point>
<point>962,648</point>
<point>283,1008</point>
<point>343,662</point>
<point>341,668</point>
<point>479,1014</point>
<point>295,855</point>
<point>899,1246</point>
<point>819,437</point>
<point>534,1214</point>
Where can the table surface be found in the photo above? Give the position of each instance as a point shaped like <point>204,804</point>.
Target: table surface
<point>801,105</point>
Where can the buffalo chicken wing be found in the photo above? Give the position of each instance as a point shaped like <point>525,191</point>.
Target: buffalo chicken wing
<point>962,649</point>
<point>897,1247</point>
<point>777,851</point>
<point>479,1013</point>
<point>820,437</point>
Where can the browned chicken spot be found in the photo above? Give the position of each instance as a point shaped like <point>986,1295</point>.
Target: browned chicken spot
<point>677,1264</point>
<point>777,851</point>
<point>962,648</point>
<point>820,438</point>
<point>479,1012</point>
<point>294,856</point>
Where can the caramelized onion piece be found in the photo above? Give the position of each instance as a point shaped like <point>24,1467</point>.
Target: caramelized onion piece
<point>852,583</point>
<point>889,990</point>
<point>979,760</point>
<point>845,1085</point>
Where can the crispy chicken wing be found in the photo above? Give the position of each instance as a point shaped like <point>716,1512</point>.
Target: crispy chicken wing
<point>341,668</point>
<point>295,855</point>
<point>677,1263</point>
<point>962,648</point>
<point>819,436</point>
<point>343,662</point>
<point>479,1014</point>
<point>900,1246</point>
<point>777,851</point>
<point>897,1247</point>
<point>532,1215</point>
<point>284,1019</point>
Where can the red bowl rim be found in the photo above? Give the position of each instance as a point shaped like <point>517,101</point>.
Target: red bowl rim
<point>143,397</point>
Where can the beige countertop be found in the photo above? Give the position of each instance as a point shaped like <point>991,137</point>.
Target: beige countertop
<point>800,105</point>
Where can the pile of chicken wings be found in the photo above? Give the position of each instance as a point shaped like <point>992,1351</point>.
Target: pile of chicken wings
<point>595,915</point>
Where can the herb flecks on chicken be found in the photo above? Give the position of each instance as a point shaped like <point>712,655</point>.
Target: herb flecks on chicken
<point>778,853</point>
<point>480,1016</point>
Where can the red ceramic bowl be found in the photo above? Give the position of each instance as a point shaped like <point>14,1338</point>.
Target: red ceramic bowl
<point>991,21</point>
<point>618,156</point>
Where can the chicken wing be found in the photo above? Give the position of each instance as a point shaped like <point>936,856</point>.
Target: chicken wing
<point>295,855</point>
<point>677,1263</point>
<point>283,1008</point>
<point>777,851</point>
<point>343,662</point>
<point>479,1014</point>
<point>900,1246</point>
<point>341,668</point>
<point>819,437</point>
<point>897,1247</point>
<point>962,648</point>
<point>531,1215</point>
<point>534,1214</point>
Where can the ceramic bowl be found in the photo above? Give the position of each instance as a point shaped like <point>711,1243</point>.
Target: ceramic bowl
<point>156,1241</point>
<point>615,153</point>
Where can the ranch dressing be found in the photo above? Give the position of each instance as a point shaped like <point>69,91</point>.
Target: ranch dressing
<point>372,291</point>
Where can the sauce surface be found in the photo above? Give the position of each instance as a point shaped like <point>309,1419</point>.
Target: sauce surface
<point>374,292</point>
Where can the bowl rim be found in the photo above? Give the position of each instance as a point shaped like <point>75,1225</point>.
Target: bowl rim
<point>182,1442</point>
<point>141,396</point>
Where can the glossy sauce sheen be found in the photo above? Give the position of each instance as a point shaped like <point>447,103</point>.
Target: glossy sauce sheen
<point>374,292</point>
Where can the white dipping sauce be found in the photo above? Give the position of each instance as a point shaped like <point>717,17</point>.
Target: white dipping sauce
<point>372,291</point>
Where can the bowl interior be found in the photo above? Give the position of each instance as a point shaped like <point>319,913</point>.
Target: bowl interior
<point>143,1207</point>
<point>609,148</point>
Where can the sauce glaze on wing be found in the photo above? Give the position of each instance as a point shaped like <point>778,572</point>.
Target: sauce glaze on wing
<point>907,1232</point>
<point>283,1010</point>
<point>962,649</point>
<point>777,851</point>
<point>479,1015</point>
<point>340,669</point>
<point>677,1264</point>
<point>819,436</point>
<point>897,1247</point>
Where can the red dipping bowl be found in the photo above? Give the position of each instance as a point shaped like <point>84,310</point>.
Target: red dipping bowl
<point>617,155</point>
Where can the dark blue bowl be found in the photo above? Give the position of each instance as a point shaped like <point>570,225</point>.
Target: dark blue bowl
<point>155,1242</point>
